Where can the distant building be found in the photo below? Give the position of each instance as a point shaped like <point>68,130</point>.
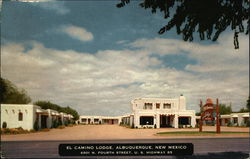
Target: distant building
<point>234,119</point>
<point>99,120</point>
<point>25,115</point>
<point>161,113</point>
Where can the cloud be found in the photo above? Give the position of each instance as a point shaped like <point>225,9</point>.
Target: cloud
<point>104,83</point>
<point>78,33</point>
<point>53,5</point>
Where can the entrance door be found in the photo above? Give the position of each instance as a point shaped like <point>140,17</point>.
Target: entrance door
<point>164,121</point>
<point>43,121</point>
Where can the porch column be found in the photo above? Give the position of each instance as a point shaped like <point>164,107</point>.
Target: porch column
<point>49,120</point>
<point>193,121</point>
<point>137,121</point>
<point>176,121</point>
<point>39,121</point>
<point>157,120</point>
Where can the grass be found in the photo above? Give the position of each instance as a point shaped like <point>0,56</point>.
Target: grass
<point>198,133</point>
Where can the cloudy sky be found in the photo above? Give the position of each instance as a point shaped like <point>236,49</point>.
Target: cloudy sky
<point>96,58</point>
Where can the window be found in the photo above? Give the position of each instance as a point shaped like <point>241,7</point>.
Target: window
<point>157,105</point>
<point>20,116</point>
<point>167,106</point>
<point>146,120</point>
<point>96,120</point>
<point>148,106</point>
<point>235,120</point>
<point>84,120</point>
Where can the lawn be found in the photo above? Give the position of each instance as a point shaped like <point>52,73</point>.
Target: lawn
<point>198,133</point>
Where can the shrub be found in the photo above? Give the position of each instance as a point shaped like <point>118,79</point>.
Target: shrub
<point>61,127</point>
<point>133,126</point>
<point>155,126</point>
<point>54,123</point>
<point>7,131</point>
<point>180,126</point>
<point>36,126</point>
<point>59,122</point>
<point>66,123</point>
<point>229,123</point>
<point>4,125</point>
<point>45,130</point>
<point>248,123</point>
<point>20,128</point>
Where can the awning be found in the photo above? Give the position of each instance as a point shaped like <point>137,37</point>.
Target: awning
<point>245,115</point>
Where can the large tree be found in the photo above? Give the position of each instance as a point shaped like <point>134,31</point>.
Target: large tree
<point>209,18</point>
<point>10,94</point>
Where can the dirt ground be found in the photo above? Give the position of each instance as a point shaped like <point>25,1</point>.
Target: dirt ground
<point>112,132</point>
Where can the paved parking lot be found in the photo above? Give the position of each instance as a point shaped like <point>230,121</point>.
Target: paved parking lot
<point>113,132</point>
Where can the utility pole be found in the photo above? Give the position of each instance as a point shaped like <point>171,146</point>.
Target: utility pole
<point>217,117</point>
<point>200,122</point>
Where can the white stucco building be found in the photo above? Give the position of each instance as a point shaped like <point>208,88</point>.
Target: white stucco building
<point>25,115</point>
<point>99,120</point>
<point>161,112</point>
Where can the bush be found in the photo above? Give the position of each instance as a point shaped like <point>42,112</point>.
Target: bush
<point>61,127</point>
<point>20,128</point>
<point>45,130</point>
<point>155,126</point>
<point>54,123</point>
<point>133,126</point>
<point>59,122</point>
<point>4,125</point>
<point>36,126</point>
<point>229,124</point>
<point>248,123</point>
<point>180,126</point>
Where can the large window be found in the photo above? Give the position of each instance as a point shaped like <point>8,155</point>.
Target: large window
<point>20,116</point>
<point>184,120</point>
<point>148,106</point>
<point>146,120</point>
<point>167,106</point>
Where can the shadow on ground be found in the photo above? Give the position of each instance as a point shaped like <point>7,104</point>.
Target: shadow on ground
<point>221,155</point>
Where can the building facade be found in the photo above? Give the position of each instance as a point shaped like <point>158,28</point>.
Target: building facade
<point>99,120</point>
<point>25,116</point>
<point>161,113</point>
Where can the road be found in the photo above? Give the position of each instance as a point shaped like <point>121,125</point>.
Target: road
<point>206,148</point>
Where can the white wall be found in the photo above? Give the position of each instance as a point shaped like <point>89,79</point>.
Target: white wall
<point>9,114</point>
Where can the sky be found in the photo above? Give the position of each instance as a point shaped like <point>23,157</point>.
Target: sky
<point>96,58</point>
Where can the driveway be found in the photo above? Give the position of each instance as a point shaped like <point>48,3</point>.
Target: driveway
<point>114,132</point>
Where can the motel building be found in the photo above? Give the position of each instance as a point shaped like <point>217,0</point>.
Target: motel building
<point>150,112</point>
<point>25,116</point>
<point>161,113</point>
<point>236,119</point>
<point>99,120</point>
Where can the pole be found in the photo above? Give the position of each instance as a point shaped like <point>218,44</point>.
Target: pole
<point>200,122</point>
<point>217,117</point>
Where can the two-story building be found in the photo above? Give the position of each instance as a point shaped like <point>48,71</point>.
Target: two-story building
<point>161,112</point>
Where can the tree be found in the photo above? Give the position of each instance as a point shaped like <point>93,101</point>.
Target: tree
<point>207,17</point>
<point>247,109</point>
<point>10,94</point>
<point>223,109</point>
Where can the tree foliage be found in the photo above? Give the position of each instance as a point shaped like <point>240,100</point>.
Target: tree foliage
<point>247,109</point>
<point>223,109</point>
<point>207,17</point>
<point>49,105</point>
<point>10,94</point>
